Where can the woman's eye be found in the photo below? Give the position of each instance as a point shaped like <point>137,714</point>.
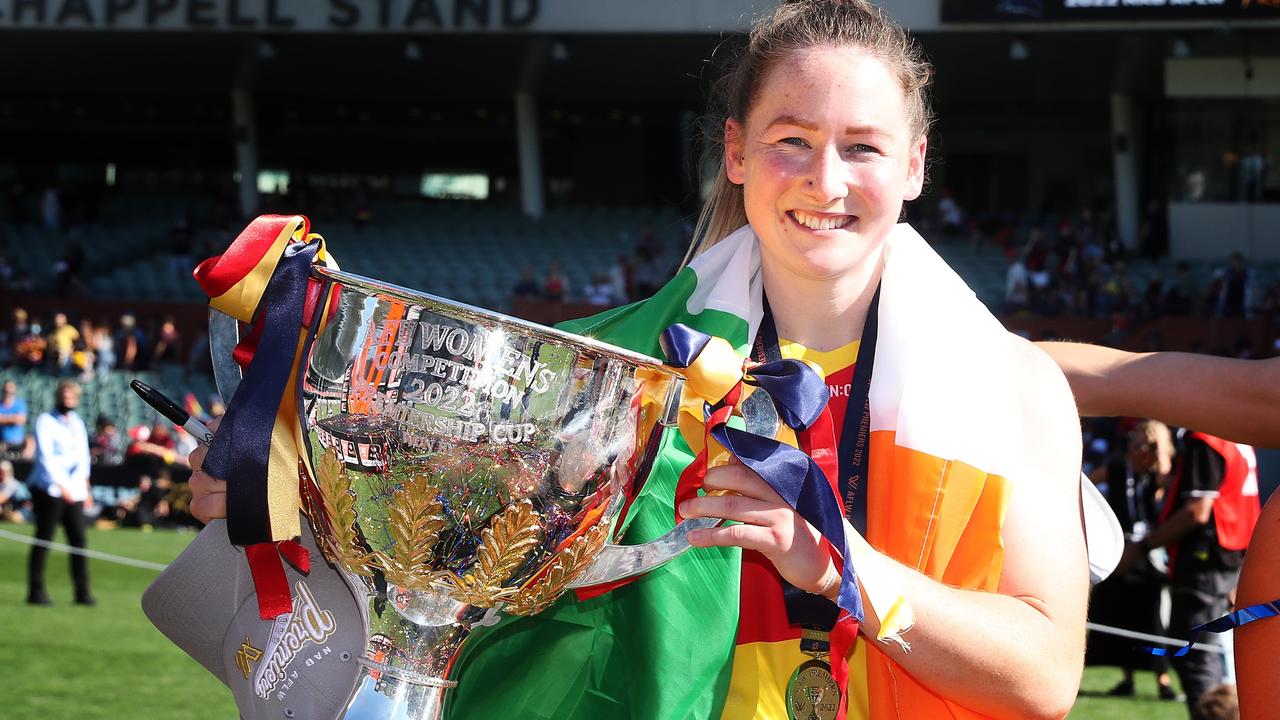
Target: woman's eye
<point>863,148</point>
<point>794,141</point>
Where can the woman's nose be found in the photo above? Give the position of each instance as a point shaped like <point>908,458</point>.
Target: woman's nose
<point>828,177</point>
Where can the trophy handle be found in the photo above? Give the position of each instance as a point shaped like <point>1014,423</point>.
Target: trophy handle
<point>618,562</point>
<point>224,335</point>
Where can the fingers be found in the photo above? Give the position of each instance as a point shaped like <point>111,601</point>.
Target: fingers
<point>749,537</point>
<point>208,496</point>
<point>196,457</point>
<point>738,478</point>
<point>738,508</point>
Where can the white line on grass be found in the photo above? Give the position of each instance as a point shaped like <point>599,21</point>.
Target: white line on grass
<point>107,557</point>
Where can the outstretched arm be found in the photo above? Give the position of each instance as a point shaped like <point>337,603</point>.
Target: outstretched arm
<point>1027,639</point>
<point>1234,399</point>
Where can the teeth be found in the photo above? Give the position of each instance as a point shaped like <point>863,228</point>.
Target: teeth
<point>821,223</point>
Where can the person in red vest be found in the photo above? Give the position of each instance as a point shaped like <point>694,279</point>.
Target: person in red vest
<point>1208,517</point>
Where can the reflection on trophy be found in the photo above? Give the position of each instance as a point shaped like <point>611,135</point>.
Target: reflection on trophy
<point>466,463</point>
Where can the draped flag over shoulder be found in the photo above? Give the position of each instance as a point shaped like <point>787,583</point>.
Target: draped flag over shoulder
<point>946,443</point>
<point>263,280</point>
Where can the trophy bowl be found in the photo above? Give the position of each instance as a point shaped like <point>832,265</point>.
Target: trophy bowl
<point>464,464</point>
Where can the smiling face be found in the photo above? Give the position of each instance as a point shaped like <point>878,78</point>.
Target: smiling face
<point>826,157</point>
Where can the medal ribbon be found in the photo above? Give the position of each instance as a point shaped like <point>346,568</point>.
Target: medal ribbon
<point>1244,616</point>
<point>800,397</point>
<point>264,279</point>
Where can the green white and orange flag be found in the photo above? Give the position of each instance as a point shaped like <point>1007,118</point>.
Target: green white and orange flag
<point>946,441</point>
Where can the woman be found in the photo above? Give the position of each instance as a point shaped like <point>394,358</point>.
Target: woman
<point>972,503</point>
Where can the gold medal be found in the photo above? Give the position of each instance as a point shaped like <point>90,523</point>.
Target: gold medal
<point>812,693</point>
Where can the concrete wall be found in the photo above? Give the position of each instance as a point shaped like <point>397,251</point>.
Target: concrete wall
<point>1211,231</point>
<point>1222,77</point>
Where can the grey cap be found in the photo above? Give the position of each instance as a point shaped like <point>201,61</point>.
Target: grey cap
<point>303,665</point>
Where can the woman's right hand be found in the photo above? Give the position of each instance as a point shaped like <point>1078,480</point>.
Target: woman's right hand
<point>208,494</point>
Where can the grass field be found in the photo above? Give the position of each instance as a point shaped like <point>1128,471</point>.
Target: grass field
<point>68,662</point>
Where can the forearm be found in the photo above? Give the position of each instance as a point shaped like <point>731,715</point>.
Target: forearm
<point>966,642</point>
<point>1095,375</point>
<point>1178,526</point>
<point>1235,399</point>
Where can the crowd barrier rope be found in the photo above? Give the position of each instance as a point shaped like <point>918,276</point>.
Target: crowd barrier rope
<point>121,560</point>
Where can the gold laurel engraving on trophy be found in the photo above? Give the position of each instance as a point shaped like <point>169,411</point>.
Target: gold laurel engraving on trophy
<point>567,565</point>
<point>339,504</point>
<point>504,546</point>
<point>414,521</point>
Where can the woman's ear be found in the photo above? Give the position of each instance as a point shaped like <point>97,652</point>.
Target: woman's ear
<point>733,152</point>
<point>915,168</point>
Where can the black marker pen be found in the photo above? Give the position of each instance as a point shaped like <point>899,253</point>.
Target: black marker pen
<point>172,412</point>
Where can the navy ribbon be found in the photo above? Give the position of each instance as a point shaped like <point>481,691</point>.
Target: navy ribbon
<point>800,395</point>
<point>241,448</point>
<point>1222,624</point>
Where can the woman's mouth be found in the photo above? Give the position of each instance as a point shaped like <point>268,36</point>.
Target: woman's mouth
<point>820,222</point>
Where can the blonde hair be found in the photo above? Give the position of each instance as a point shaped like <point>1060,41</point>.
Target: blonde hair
<point>1157,436</point>
<point>797,25</point>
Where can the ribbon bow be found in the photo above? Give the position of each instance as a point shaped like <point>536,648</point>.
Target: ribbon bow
<point>717,378</point>
<point>264,279</point>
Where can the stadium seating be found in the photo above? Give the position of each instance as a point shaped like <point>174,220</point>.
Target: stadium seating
<point>109,395</point>
<point>462,250</point>
<point>468,252</point>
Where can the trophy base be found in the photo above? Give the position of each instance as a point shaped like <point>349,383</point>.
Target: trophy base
<point>382,695</point>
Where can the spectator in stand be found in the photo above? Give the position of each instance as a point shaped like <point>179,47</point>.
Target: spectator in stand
<point>82,359</point>
<point>1233,293</point>
<point>1180,296</point>
<point>950,216</point>
<point>649,273</point>
<point>62,339</point>
<point>146,509</point>
<point>556,285</point>
<point>152,450</point>
<point>130,345</point>
<point>104,350</point>
<point>527,286</point>
<point>13,420</point>
<point>60,491</point>
<point>107,446</point>
<point>1153,298</point>
<point>15,499</point>
<point>600,291</point>
<point>620,278</point>
<point>168,345</point>
<point>30,347</point>
<point>1017,287</point>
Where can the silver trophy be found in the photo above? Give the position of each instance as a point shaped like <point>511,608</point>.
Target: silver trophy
<point>466,463</point>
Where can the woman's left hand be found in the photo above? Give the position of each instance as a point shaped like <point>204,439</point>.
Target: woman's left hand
<point>768,525</point>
